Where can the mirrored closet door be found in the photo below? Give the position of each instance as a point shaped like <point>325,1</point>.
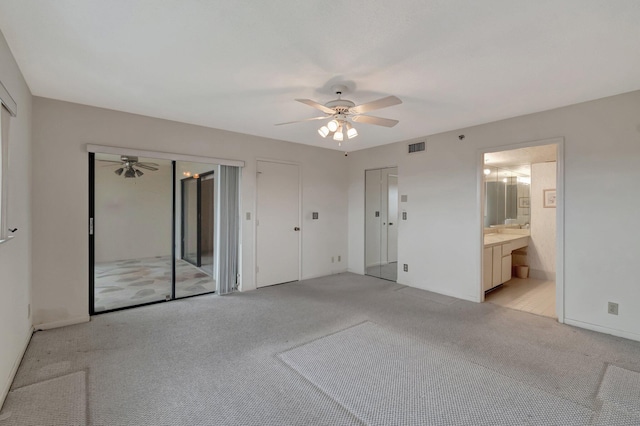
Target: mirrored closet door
<point>132,227</point>
<point>381,223</point>
<point>195,220</point>
<point>153,234</point>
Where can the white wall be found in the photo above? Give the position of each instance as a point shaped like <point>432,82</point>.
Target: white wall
<point>541,253</point>
<point>15,255</point>
<point>60,132</point>
<point>440,240</point>
<point>133,216</point>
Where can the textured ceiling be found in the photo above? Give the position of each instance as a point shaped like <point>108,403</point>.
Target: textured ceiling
<point>238,65</point>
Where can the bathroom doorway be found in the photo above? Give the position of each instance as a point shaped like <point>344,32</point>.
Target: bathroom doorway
<point>520,203</point>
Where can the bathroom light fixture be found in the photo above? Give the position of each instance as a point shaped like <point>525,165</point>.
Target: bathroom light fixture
<point>487,172</point>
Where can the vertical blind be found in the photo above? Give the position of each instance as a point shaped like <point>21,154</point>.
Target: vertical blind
<point>229,229</point>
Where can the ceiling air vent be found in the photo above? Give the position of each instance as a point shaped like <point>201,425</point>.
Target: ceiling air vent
<point>417,147</point>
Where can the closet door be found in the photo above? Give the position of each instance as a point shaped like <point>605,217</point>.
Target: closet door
<point>381,223</point>
<point>195,222</point>
<point>132,231</point>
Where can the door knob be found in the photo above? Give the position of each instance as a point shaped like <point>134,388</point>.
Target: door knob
<point>296,229</point>
<point>390,223</point>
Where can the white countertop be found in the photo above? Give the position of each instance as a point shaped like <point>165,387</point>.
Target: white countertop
<point>494,239</point>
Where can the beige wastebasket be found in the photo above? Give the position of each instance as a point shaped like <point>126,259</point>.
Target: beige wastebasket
<point>522,271</point>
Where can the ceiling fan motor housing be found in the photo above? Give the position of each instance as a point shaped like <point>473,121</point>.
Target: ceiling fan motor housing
<point>341,106</point>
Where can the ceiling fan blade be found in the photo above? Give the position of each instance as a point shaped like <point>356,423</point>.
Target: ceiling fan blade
<point>144,166</point>
<point>316,105</point>
<point>300,121</point>
<point>386,122</point>
<point>109,161</point>
<point>148,164</point>
<point>380,103</point>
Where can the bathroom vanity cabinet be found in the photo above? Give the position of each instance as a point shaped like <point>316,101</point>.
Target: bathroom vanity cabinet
<point>497,258</point>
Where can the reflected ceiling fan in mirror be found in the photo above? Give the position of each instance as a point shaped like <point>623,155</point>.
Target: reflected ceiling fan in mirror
<point>340,111</point>
<point>130,166</point>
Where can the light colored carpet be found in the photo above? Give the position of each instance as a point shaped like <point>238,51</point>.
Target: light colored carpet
<point>54,402</point>
<point>214,360</point>
<point>384,377</point>
<point>620,391</point>
<point>138,281</point>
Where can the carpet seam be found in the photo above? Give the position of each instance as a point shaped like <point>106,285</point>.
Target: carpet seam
<point>318,388</point>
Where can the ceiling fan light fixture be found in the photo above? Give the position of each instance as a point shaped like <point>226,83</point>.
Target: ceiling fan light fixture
<point>351,131</point>
<point>338,136</point>
<point>333,125</point>
<point>118,171</point>
<point>129,173</point>
<point>138,173</point>
<point>323,131</point>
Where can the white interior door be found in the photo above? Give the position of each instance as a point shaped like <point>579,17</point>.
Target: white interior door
<point>278,223</point>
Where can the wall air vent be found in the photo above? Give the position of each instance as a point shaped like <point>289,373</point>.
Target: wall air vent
<point>417,147</point>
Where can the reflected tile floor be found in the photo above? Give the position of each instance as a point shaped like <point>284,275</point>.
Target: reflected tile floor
<point>137,281</point>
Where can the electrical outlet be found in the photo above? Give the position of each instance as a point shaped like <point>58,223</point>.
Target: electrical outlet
<point>404,215</point>
<point>405,267</point>
<point>339,258</point>
<point>612,308</point>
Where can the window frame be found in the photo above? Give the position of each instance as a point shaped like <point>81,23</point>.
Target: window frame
<point>8,109</point>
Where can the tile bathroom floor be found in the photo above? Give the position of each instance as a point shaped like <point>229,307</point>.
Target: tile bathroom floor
<point>526,294</point>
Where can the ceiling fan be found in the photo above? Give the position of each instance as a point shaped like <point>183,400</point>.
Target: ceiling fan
<point>340,111</point>
<point>127,163</point>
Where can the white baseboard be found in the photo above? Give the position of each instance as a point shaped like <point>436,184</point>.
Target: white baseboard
<point>310,277</point>
<point>14,370</point>
<point>601,329</point>
<point>62,323</point>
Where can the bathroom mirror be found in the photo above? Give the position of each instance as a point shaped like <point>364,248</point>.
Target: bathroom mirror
<point>507,195</point>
